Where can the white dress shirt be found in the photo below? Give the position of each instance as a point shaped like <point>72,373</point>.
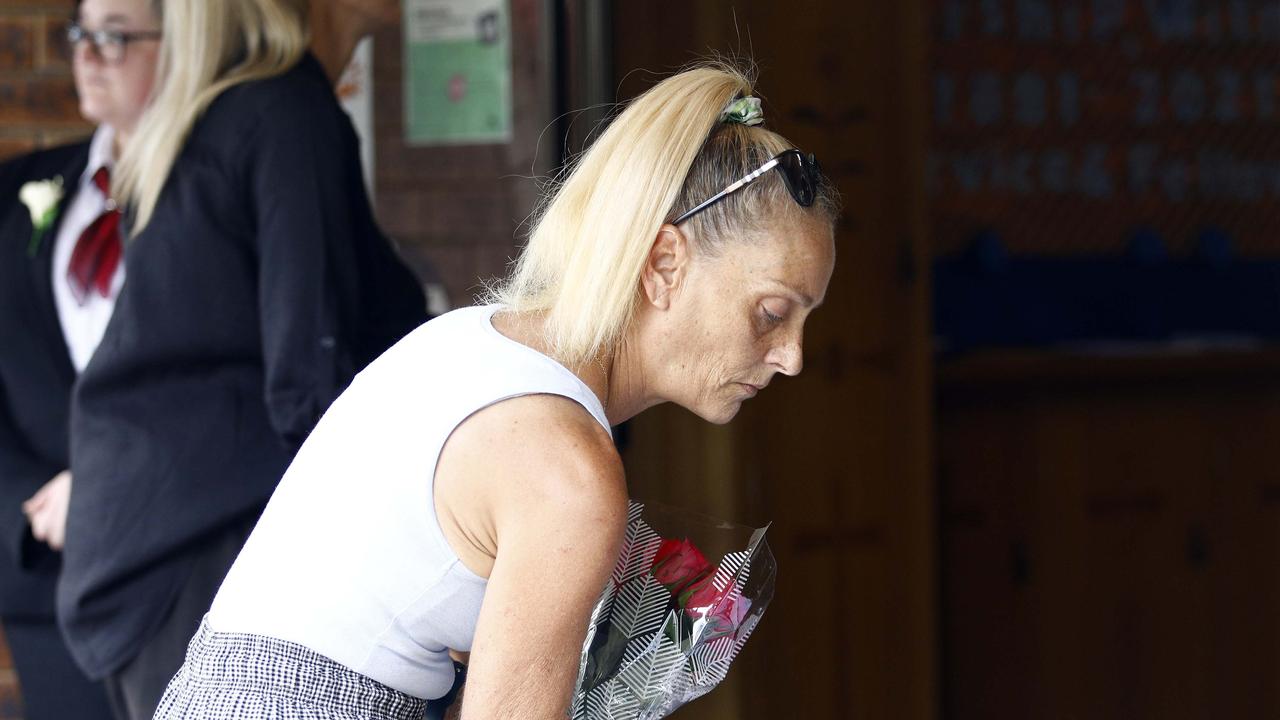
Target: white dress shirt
<point>83,325</point>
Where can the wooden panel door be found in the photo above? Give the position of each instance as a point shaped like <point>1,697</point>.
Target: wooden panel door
<point>1111,544</point>
<point>837,458</point>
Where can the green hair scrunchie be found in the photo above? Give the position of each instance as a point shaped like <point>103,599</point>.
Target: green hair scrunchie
<point>743,111</point>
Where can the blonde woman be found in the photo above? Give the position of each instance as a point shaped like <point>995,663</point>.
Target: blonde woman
<point>258,285</point>
<point>464,494</point>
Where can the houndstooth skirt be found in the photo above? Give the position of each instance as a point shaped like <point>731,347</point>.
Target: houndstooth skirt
<point>235,676</point>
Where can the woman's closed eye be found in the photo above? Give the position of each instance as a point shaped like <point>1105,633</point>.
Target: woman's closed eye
<point>770,316</point>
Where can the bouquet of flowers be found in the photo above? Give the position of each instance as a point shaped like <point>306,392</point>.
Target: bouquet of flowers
<point>670,620</point>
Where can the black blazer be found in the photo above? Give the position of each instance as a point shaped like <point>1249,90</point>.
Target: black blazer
<point>257,291</point>
<point>36,376</point>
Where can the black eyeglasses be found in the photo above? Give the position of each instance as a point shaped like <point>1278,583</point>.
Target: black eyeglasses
<point>110,45</point>
<point>799,173</point>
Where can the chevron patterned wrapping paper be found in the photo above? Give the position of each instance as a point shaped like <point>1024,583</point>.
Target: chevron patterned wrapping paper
<point>685,595</point>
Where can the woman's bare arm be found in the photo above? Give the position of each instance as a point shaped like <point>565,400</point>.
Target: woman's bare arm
<point>552,498</point>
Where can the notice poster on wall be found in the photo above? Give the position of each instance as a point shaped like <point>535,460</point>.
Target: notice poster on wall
<point>457,72</point>
<point>1066,126</point>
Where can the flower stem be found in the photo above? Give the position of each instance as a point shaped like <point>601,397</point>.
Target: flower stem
<point>37,235</point>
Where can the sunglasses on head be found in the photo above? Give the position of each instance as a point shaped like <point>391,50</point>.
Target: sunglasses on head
<point>799,173</point>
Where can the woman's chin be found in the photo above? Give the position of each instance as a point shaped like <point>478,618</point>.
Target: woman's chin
<point>719,414</point>
<point>91,111</point>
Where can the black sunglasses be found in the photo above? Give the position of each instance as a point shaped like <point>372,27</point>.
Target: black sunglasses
<point>799,173</point>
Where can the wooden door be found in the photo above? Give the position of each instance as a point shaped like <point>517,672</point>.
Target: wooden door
<point>1111,537</point>
<point>837,458</point>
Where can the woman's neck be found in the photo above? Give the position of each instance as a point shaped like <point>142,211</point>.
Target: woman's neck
<point>627,390</point>
<point>615,377</point>
<point>119,140</point>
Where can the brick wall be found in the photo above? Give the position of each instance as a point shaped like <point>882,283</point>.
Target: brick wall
<point>10,698</point>
<point>456,211</point>
<point>38,105</point>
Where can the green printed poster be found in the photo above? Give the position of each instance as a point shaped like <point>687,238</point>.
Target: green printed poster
<point>457,75</point>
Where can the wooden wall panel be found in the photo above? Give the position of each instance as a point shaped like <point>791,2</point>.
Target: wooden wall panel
<point>840,457</point>
<point>1109,548</point>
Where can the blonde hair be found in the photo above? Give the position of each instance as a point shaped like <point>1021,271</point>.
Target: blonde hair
<point>208,46</point>
<point>665,153</point>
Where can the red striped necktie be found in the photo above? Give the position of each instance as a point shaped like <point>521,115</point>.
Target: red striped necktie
<point>97,252</point>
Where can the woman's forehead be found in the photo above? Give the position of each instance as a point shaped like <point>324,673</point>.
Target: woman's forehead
<point>796,261</point>
<point>115,11</point>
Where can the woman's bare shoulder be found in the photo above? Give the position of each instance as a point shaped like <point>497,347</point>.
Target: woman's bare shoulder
<point>538,452</point>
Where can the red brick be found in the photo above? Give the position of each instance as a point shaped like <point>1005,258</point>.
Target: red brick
<point>12,147</point>
<point>34,6</point>
<point>454,264</point>
<point>39,101</point>
<point>60,136</point>
<point>55,53</point>
<point>17,43</point>
<point>18,7</point>
<point>10,697</point>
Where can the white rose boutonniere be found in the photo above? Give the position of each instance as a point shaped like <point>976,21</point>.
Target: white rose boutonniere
<point>41,198</point>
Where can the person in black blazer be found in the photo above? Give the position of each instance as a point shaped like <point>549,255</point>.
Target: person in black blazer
<point>57,289</point>
<point>258,284</point>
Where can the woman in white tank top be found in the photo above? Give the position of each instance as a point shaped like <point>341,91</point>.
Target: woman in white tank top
<point>464,494</point>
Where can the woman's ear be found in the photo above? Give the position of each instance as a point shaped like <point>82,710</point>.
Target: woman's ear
<point>665,269</point>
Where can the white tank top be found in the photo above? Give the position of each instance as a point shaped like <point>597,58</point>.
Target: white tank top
<point>348,558</point>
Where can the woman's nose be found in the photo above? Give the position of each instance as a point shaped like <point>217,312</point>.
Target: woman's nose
<point>789,358</point>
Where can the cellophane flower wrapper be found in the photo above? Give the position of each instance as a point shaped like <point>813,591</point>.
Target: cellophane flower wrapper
<point>685,595</point>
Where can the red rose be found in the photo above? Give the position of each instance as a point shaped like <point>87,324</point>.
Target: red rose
<point>678,564</point>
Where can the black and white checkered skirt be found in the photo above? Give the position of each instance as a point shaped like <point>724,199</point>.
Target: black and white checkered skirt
<point>235,676</point>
